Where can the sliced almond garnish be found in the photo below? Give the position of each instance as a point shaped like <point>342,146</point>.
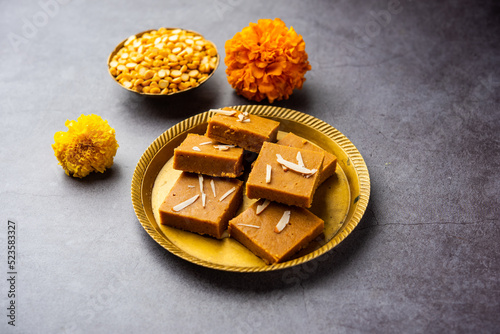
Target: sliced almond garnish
<point>224,112</point>
<point>203,199</point>
<point>262,207</point>
<point>223,147</point>
<point>206,143</point>
<point>229,192</point>
<point>200,180</point>
<point>295,167</point>
<point>249,225</point>
<point>196,148</point>
<point>243,117</point>
<point>283,221</point>
<point>268,173</point>
<point>300,161</point>
<point>314,170</point>
<point>282,166</point>
<point>186,203</point>
<point>212,183</point>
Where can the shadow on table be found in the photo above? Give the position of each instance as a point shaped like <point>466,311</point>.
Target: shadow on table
<point>300,100</point>
<point>170,107</point>
<point>187,104</point>
<point>94,179</point>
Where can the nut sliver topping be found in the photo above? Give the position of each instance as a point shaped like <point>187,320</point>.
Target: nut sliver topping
<point>295,167</point>
<point>312,173</point>
<point>224,112</point>
<point>268,173</point>
<point>300,161</point>
<point>249,225</point>
<point>282,166</point>
<point>200,180</point>
<point>283,221</point>
<point>262,207</point>
<point>186,203</point>
<point>229,192</point>
<point>243,117</point>
<point>212,184</point>
<point>223,147</point>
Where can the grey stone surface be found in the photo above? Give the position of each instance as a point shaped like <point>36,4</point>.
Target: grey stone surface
<point>414,85</point>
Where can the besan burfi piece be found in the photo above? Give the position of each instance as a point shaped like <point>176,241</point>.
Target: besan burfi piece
<point>242,129</point>
<point>285,174</point>
<point>329,163</point>
<point>201,204</point>
<point>202,155</point>
<point>262,234</point>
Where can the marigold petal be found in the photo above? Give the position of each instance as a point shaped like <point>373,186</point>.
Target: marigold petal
<point>266,87</point>
<point>257,71</point>
<point>274,69</point>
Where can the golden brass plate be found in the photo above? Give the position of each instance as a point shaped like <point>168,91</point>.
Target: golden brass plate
<point>340,201</point>
<point>119,46</point>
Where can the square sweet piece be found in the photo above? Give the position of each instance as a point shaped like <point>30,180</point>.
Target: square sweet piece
<point>259,233</point>
<point>330,162</point>
<point>198,205</point>
<point>283,179</point>
<point>202,155</point>
<point>242,129</point>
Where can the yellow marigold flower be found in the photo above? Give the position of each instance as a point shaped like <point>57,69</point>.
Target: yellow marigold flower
<point>89,145</point>
<point>266,60</point>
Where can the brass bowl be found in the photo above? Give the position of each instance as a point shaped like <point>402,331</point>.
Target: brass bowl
<point>340,201</point>
<point>119,46</point>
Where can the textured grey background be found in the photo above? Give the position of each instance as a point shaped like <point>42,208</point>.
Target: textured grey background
<point>417,92</point>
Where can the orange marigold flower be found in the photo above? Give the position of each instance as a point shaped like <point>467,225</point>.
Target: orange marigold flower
<point>89,145</point>
<point>266,60</point>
